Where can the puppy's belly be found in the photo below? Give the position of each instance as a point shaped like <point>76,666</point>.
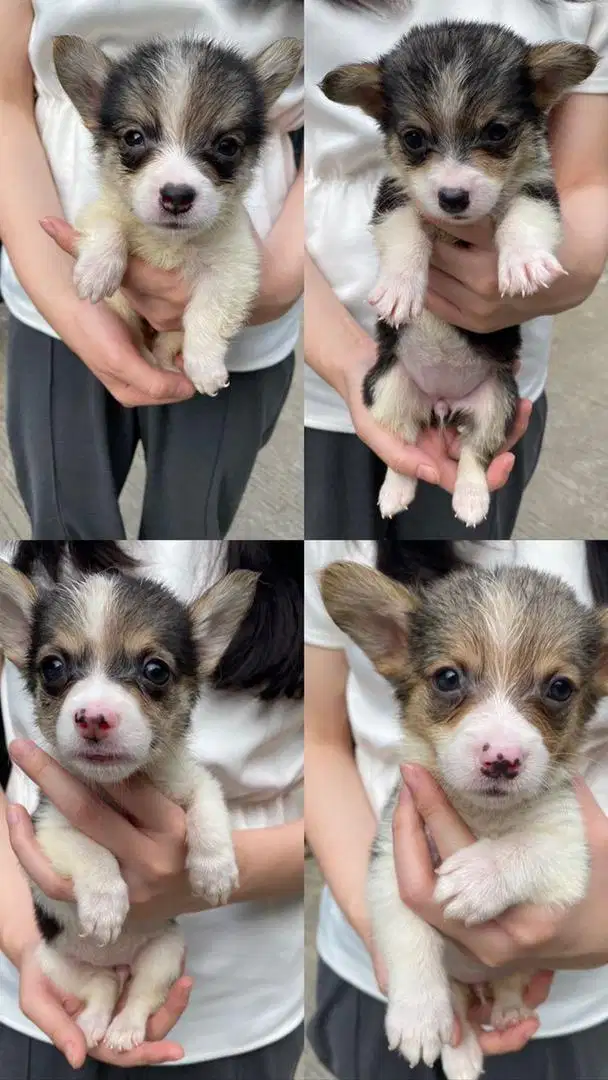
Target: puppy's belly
<point>441,362</point>
<point>465,968</point>
<point>123,951</point>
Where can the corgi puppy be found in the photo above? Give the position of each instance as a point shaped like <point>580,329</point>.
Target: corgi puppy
<point>463,109</point>
<point>114,665</point>
<point>178,127</point>
<point>495,673</point>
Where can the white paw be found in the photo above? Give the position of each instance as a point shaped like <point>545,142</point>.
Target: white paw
<point>103,912</point>
<point>96,276</point>
<point>125,1033</point>
<point>471,886</point>
<point>215,877</point>
<point>93,1022</point>
<point>471,502</point>
<point>508,1011</point>
<point>464,1062</point>
<point>521,273</point>
<point>396,494</point>
<point>399,298</point>
<point>419,1028</point>
<point>206,369</point>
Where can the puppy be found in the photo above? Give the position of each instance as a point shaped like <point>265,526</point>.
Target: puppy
<point>463,109</point>
<point>178,127</point>
<point>114,665</point>
<point>496,674</point>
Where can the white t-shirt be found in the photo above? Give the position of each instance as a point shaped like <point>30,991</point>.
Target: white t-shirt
<point>115,27</point>
<point>240,1001</point>
<point>578,999</point>
<point>345,158</point>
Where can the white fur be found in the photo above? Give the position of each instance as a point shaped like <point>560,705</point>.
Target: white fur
<point>131,737</point>
<point>173,166</point>
<point>527,239</point>
<point>484,191</point>
<point>405,250</point>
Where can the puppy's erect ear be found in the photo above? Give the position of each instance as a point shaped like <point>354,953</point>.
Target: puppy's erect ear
<point>557,67</point>
<point>217,615</point>
<point>82,70</point>
<point>372,610</point>
<point>356,84</point>
<point>277,65</point>
<point>17,599</point>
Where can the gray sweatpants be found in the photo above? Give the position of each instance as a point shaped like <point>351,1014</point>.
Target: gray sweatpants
<point>343,478</point>
<point>73,444</point>
<point>347,1034</point>
<point>22,1058</point>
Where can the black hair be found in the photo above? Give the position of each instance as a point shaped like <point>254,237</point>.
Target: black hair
<point>416,563</point>
<point>374,7</point>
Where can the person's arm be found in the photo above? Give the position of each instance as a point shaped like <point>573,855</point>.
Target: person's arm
<point>18,929</point>
<point>28,194</point>
<point>463,283</point>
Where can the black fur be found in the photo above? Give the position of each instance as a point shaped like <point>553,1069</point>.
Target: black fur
<point>387,337</point>
<point>544,192</point>
<point>390,196</point>
<point>47,924</point>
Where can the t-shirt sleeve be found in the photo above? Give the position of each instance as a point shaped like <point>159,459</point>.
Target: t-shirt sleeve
<point>319,628</point>
<point>597,38</point>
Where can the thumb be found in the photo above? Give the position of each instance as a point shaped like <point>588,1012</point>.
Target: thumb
<point>447,829</point>
<point>48,1014</point>
<point>63,234</point>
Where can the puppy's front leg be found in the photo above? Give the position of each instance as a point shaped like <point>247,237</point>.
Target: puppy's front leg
<point>210,861</point>
<point>404,249</point>
<point>102,257</point>
<point>527,239</point>
<point>101,894</point>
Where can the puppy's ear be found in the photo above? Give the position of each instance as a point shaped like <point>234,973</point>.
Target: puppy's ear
<point>557,67</point>
<point>82,70</point>
<point>373,611</point>
<point>17,599</point>
<point>217,615</point>
<point>277,65</point>
<point>356,84</point>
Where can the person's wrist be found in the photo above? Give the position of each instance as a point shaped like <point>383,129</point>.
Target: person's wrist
<point>16,945</point>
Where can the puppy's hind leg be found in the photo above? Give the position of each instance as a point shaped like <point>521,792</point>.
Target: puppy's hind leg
<point>465,1061</point>
<point>509,1007</point>
<point>154,971</point>
<point>97,987</point>
<point>166,347</point>
<point>483,424</point>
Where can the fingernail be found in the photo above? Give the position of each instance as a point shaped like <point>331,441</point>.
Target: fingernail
<point>425,472</point>
<point>24,748</point>
<point>47,225</point>
<point>73,1055</point>
<point>12,815</point>
<point>509,465</point>
<point>405,796</point>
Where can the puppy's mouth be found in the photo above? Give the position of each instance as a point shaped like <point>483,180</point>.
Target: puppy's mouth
<point>103,757</point>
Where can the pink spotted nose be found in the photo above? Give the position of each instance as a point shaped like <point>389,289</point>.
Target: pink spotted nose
<point>501,761</point>
<point>95,722</point>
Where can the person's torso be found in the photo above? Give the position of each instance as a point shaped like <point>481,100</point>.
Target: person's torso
<point>578,999</point>
<point>345,159</point>
<point>117,25</point>
<point>256,751</point>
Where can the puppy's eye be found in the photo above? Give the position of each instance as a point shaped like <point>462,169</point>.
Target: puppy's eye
<point>448,680</point>
<point>559,689</point>
<point>414,139</point>
<point>156,671</point>
<point>53,672</point>
<point>227,146</point>
<point>134,139</point>
<point>496,132</point>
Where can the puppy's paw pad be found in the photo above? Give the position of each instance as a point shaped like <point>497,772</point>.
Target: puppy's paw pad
<point>124,1034</point>
<point>396,494</point>
<point>213,877</point>
<point>470,503</point>
<point>399,298</point>
<point>98,278</point>
<point>470,885</point>
<point>93,1023</point>
<point>464,1062</point>
<point>103,912</point>
<point>419,1030</point>
<point>522,273</point>
<point>508,1013</point>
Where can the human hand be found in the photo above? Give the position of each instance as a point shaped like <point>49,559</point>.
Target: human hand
<point>526,937</point>
<point>146,833</point>
<point>434,457</point>
<point>54,1013</point>
<point>463,284</point>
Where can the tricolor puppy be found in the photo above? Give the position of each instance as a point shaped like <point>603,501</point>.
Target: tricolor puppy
<point>114,665</point>
<point>496,674</point>
<point>463,109</point>
<point>178,128</point>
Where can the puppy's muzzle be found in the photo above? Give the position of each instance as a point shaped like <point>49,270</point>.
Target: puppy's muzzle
<point>177,198</point>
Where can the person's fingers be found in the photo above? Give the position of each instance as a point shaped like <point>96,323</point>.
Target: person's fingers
<point>500,470</point>
<point>165,1018</point>
<point>536,994</point>
<point>152,810</point>
<point>507,1042</point>
<point>31,856</point>
<point>149,1053</point>
<point>446,827</point>
<point>63,234</point>
<point>77,803</point>
<point>154,384</point>
<point>413,862</point>
<point>520,424</point>
<point>47,1013</point>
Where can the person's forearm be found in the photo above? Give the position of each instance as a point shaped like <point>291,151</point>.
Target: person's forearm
<point>330,332</point>
<point>18,927</point>
<point>285,244</point>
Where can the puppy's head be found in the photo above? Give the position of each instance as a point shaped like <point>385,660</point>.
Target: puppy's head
<point>115,663</point>
<point>463,110</point>
<point>178,125</point>
<point>496,673</point>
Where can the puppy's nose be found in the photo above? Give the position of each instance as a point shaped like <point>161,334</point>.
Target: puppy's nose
<point>95,722</point>
<point>501,762</point>
<point>453,200</point>
<point>177,198</point>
